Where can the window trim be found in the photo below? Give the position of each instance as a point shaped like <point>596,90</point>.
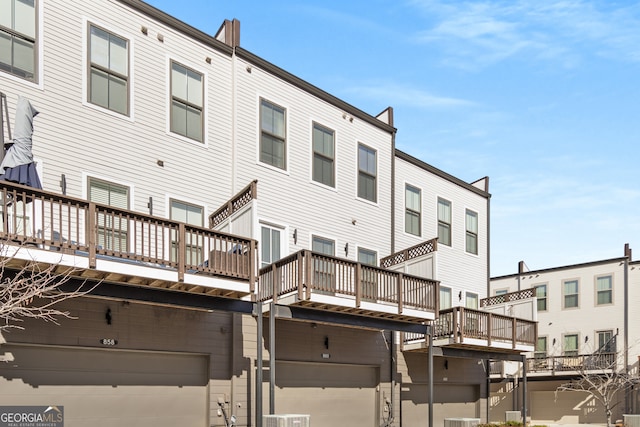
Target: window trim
<point>546,296</point>
<point>565,295</point>
<point>327,129</point>
<point>90,66</point>
<point>537,353</point>
<point>284,169</point>
<point>450,291</point>
<point>375,177</point>
<point>468,233</point>
<point>325,238</point>
<point>87,178</point>
<point>603,331</point>
<point>577,350</point>
<point>408,210</point>
<point>38,74</point>
<point>501,291</point>
<point>375,253</point>
<point>449,224</point>
<point>204,126</point>
<point>596,291</point>
<point>477,299</point>
<point>87,69</point>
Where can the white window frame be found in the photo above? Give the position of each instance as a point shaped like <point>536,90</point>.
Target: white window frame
<point>474,297</point>
<point>539,297</point>
<point>283,238</point>
<point>469,233</point>
<point>375,176</point>
<point>565,295</point>
<point>271,101</point>
<point>38,81</point>
<point>188,66</point>
<point>445,289</point>
<point>87,66</point>
<point>597,291</point>
<point>327,129</point>
<point>408,211</point>
<point>564,349</point>
<point>442,221</point>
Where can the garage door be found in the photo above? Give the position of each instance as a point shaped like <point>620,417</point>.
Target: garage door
<point>108,387</point>
<point>449,400</point>
<point>334,395</point>
<point>565,407</point>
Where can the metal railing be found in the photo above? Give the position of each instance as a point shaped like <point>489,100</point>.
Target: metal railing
<point>306,273</point>
<point>55,222</point>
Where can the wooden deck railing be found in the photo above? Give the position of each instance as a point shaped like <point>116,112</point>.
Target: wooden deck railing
<point>306,272</point>
<point>460,323</point>
<point>511,296</point>
<point>577,363</point>
<point>55,222</point>
<point>416,251</point>
<point>237,202</point>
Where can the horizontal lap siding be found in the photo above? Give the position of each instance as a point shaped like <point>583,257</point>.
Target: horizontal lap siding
<point>455,268</point>
<point>71,138</point>
<point>292,198</point>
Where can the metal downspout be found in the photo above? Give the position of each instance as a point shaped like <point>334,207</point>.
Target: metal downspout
<point>272,359</point>
<point>430,375</point>
<point>524,390</point>
<point>627,254</point>
<point>258,312</point>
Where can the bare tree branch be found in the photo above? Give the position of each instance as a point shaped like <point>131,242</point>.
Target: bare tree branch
<point>30,289</point>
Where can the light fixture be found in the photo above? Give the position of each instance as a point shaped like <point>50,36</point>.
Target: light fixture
<point>207,60</point>
<point>586,338</point>
<point>160,38</point>
<point>107,316</point>
<point>160,163</point>
<point>144,30</point>
<point>346,249</point>
<point>248,69</point>
<point>63,184</point>
<point>446,364</point>
<point>150,205</point>
<point>326,343</point>
<point>554,341</point>
<point>295,236</point>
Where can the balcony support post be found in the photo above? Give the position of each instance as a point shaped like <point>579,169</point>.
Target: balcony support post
<point>308,261</point>
<point>514,335</point>
<point>272,359</point>
<point>489,332</point>
<point>400,279</point>
<point>253,266</point>
<point>430,373</point>
<point>182,250</point>
<point>301,275</point>
<point>524,390</point>
<point>275,290</point>
<point>358,280</point>
<point>92,234</point>
<point>259,369</point>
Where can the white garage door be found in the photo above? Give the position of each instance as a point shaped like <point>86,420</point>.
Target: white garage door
<point>449,401</point>
<point>108,388</point>
<point>334,395</point>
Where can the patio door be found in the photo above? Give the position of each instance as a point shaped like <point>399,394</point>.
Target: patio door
<point>112,228</point>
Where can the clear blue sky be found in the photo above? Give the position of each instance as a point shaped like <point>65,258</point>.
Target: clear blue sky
<point>541,96</point>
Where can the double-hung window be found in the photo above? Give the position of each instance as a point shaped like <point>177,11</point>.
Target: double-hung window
<point>472,232</point>
<point>108,70</point>
<point>18,38</point>
<point>187,102</point>
<point>471,300</point>
<point>570,289</point>
<point>541,348</point>
<point>324,270</point>
<point>412,213</point>
<point>604,290</point>
<point>112,227</point>
<point>273,141</point>
<point>606,341</point>
<point>269,245</point>
<point>444,222</point>
<point>445,297</point>
<point>367,173</point>
<point>194,242</point>
<point>369,277</point>
<point>323,155</point>
<point>541,296</point>
<point>570,345</point>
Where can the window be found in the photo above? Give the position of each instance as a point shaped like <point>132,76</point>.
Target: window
<point>444,222</point>
<point>324,274</point>
<point>112,228</point>
<point>323,155</point>
<point>367,257</point>
<point>570,292</point>
<point>570,347</point>
<point>108,70</point>
<point>192,215</point>
<point>502,291</point>
<point>445,297</point>
<point>606,341</point>
<point>187,102</point>
<point>541,296</point>
<point>472,232</point>
<point>269,245</point>
<point>273,145</point>
<point>369,276</point>
<point>471,300</point>
<point>412,215</point>
<point>18,38</point>
<point>367,186</point>
<point>541,348</point>
<point>604,290</point>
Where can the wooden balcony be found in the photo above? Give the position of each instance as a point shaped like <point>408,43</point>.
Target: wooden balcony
<point>329,283</point>
<point>572,365</point>
<point>100,242</point>
<point>460,327</point>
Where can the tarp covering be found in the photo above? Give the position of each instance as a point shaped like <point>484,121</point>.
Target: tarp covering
<point>17,165</point>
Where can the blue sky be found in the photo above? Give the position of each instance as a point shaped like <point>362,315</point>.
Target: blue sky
<point>541,96</point>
